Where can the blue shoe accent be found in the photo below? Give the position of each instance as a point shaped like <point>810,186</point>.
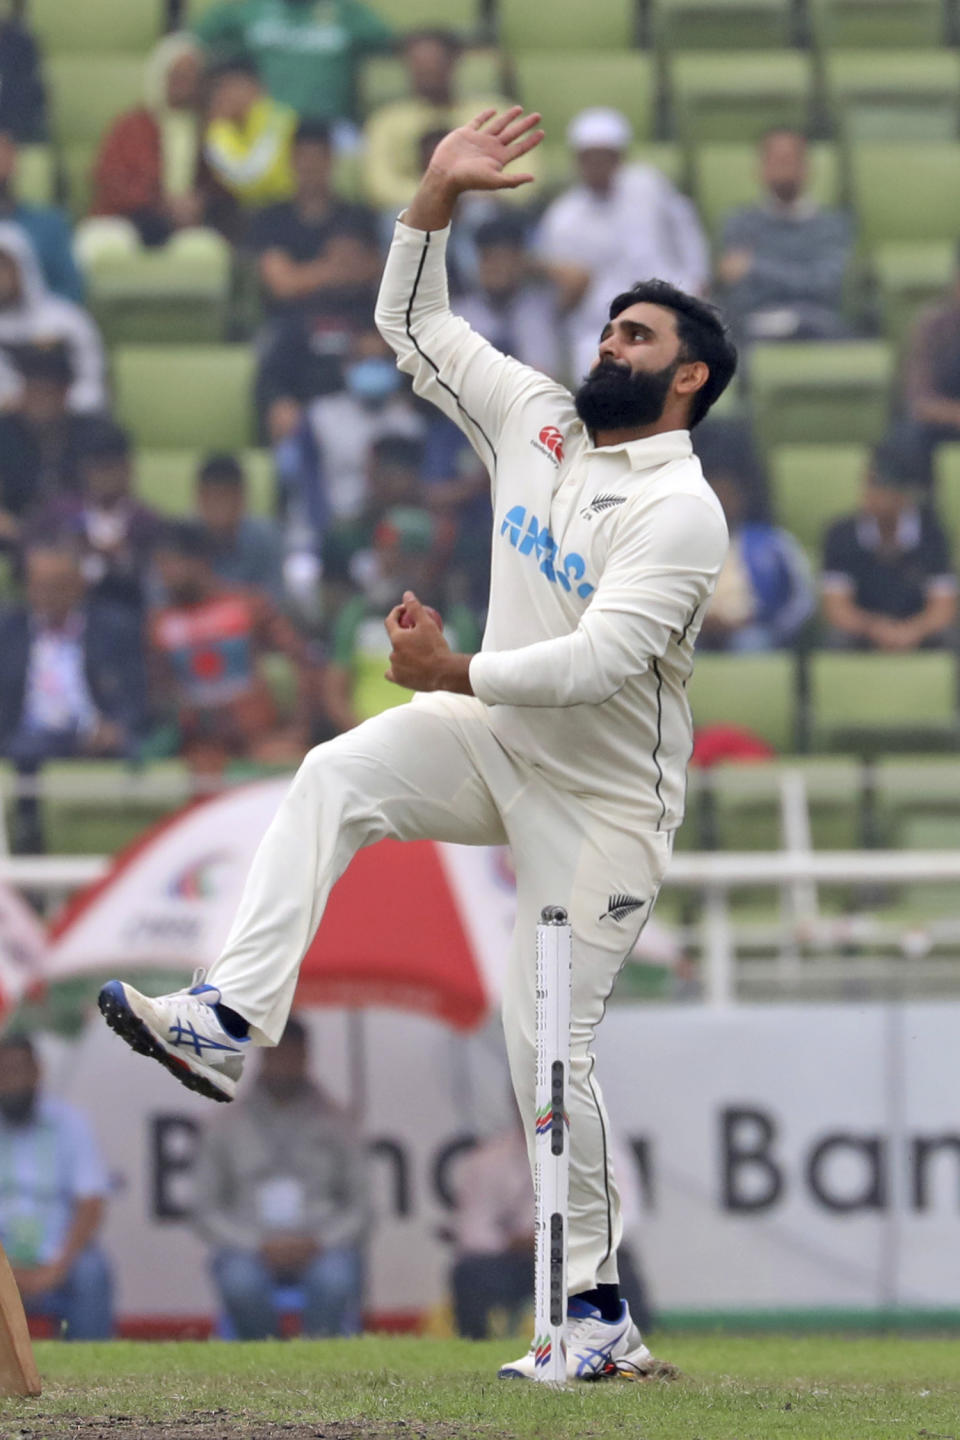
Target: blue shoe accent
<point>578,1309</point>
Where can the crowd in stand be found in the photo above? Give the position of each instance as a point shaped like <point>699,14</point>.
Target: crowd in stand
<point>130,635</point>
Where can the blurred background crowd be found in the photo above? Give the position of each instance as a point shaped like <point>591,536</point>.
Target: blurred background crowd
<point>213,480</point>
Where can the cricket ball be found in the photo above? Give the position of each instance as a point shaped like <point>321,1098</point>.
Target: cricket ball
<point>407,624</point>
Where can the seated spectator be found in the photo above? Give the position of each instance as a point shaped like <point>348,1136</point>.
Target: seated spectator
<point>148,169</point>
<point>783,262</point>
<point>281,1198</point>
<point>318,258</point>
<point>511,304</point>
<point>764,594</point>
<point>619,221</point>
<point>46,227</point>
<point>207,644</point>
<point>409,552</point>
<point>393,477</point>
<point>71,677</point>
<point>245,549</point>
<point>249,137</point>
<point>392,162</point>
<point>40,439</point>
<point>932,369</point>
<point>888,579</point>
<point>307,54</point>
<point>52,1201</point>
<point>31,315</point>
<point>112,531</point>
<point>23,101</point>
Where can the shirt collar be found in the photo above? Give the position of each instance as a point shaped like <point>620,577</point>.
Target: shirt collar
<point>908,530</point>
<point>803,208</point>
<point>652,451</point>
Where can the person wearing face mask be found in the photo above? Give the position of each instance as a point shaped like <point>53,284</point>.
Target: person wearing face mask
<point>281,1197</point>
<point>53,1193</point>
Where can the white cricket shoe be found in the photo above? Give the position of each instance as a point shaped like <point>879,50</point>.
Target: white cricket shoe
<point>182,1031</point>
<point>595,1346</point>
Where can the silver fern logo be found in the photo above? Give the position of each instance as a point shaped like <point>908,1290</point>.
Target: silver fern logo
<point>620,906</point>
<point>601,503</point>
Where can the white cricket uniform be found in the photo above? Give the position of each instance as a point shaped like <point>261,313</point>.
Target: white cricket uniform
<point>573,749</point>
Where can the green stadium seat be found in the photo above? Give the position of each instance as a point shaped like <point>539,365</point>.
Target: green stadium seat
<point>76,165</point>
<point>178,292</point>
<point>36,174</point>
<point>462,15</point>
<point>746,802</point>
<point>894,24</point>
<point>752,691</point>
<point>947,492</point>
<point>89,92</point>
<point>716,96</point>
<point>894,95</point>
<point>95,807</point>
<point>166,479</point>
<point>560,86</point>
<point>722,24</point>
<point>874,702</point>
<point>910,274</point>
<point>906,787</point>
<point>836,390</point>
<point>725,178</point>
<point>197,396</point>
<point>813,485</point>
<point>906,191</point>
<point>384,77</point>
<point>72,27</point>
<point>525,28</point>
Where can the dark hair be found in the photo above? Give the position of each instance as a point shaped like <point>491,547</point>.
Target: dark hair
<point>105,440</point>
<point>313,132</point>
<point>794,130</point>
<point>398,450</point>
<point>449,39</point>
<point>702,333</point>
<point>901,460</point>
<point>18,1040</point>
<point>725,446</point>
<point>239,64</point>
<point>44,362</point>
<point>500,230</point>
<point>222,469</point>
<point>187,538</point>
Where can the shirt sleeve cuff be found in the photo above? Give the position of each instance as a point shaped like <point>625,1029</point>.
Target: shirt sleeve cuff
<point>481,678</point>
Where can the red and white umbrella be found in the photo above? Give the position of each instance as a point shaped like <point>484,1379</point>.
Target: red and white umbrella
<point>419,926</point>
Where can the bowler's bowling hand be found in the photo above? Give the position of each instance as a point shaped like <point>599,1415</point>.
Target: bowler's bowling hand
<point>473,156</point>
<point>421,659</point>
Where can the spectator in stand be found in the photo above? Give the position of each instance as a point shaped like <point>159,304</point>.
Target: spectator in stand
<point>306,53</point>
<point>888,578</point>
<point>410,552</point>
<point>394,477</point>
<point>31,315</point>
<point>114,534</point>
<point>207,644</point>
<point>318,259</point>
<point>282,1199</point>
<point>783,262</point>
<point>392,163</point>
<point>620,221</point>
<point>149,166</point>
<point>512,304</point>
<point>52,1201</point>
<point>932,369</point>
<point>245,549</point>
<point>248,143</point>
<point>41,440</point>
<point>46,227</point>
<point>71,677</point>
<point>764,594</point>
<point>23,102</point>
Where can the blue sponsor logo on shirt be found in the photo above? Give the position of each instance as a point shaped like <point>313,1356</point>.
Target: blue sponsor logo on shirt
<point>526,534</point>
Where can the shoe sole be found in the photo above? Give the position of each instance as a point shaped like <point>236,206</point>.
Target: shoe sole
<point>131,1029</point>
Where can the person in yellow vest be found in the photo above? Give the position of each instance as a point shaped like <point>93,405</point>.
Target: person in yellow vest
<point>248,143</point>
<point>410,550</point>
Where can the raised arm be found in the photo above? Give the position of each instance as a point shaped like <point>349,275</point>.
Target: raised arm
<point>465,376</point>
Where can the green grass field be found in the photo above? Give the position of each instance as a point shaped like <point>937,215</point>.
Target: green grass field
<point>418,1389</point>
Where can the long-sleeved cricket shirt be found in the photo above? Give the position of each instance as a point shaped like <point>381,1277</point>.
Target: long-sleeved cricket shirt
<point>602,560</point>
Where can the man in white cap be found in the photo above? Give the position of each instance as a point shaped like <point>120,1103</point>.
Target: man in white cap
<point>621,223</point>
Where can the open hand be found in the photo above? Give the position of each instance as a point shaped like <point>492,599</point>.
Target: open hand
<point>473,156</point>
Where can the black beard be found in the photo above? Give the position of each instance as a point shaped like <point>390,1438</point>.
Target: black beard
<point>613,397</point>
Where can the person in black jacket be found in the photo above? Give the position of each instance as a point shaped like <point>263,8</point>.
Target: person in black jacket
<point>72,679</point>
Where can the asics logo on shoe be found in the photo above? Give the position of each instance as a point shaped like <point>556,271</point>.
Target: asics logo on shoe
<point>620,906</point>
<point>198,1042</point>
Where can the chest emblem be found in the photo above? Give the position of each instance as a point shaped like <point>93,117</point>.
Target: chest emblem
<point>600,504</point>
<point>525,533</point>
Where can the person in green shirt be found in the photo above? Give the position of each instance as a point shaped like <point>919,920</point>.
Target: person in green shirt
<point>306,51</point>
<point>410,551</point>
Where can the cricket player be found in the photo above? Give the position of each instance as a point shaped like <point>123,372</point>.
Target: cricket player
<point>567,736</point>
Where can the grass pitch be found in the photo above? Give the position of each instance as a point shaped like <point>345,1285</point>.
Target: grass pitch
<point>763,1388</point>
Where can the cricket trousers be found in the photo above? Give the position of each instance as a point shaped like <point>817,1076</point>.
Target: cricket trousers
<point>434,770</point>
